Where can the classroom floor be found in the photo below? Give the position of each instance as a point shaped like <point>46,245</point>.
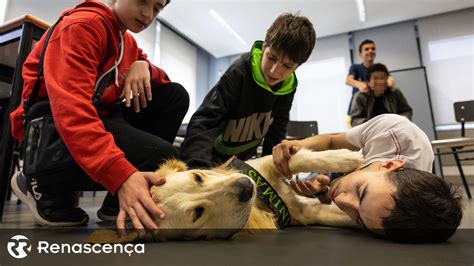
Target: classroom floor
<point>313,245</point>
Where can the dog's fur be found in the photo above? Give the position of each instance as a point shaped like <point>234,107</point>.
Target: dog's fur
<point>219,202</point>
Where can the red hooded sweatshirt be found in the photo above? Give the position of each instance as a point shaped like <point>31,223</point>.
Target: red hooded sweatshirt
<point>83,46</point>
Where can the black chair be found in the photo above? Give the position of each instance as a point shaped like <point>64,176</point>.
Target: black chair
<point>301,129</point>
<point>464,112</point>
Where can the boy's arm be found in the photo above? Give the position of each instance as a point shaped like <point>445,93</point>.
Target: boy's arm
<point>283,151</point>
<point>281,116</point>
<point>209,121</point>
<point>70,94</point>
<point>351,81</point>
<point>359,109</point>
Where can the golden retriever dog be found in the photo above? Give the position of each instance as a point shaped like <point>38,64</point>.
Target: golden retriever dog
<point>219,202</point>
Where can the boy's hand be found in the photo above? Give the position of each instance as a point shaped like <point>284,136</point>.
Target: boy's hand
<point>311,186</point>
<point>363,87</point>
<point>390,82</point>
<point>282,153</point>
<point>137,86</point>
<point>136,202</point>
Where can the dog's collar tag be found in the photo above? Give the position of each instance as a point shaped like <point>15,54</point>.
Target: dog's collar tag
<point>265,192</point>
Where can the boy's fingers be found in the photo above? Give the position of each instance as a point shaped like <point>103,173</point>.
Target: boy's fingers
<point>141,94</point>
<point>323,179</point>
<point>294,149</point>
<point>153,209</point>
<point>154,179</point>
<point>127,94</point>
<point>148,88</point>
<point>144,216</point>
<point>121,220</point>
<point>136,103</point>
<point>295,188</point>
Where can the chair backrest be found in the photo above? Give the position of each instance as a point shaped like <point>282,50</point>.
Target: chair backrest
<point>302,129</point>
<point>464,112</point>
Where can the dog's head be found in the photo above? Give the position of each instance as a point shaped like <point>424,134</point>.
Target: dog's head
<point>202,203</point>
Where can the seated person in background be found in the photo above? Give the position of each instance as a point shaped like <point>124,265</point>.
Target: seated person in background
<point>393,194</point>
<point>357,72</point>
<point>380,99</point>
<point>253,98</point>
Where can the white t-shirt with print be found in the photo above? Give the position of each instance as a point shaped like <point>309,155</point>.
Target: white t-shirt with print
<point>393,137</point>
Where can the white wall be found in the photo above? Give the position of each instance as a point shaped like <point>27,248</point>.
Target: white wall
<point>447,44</point>
<point>396,45</point>
<point>179,59</point>
<point>47,10</point>
<point>3,10</point>
<point>322,94</point>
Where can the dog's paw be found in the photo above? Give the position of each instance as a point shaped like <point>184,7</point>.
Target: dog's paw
<point>341,160</point>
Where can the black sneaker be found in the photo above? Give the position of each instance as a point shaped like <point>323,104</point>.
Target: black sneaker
<point>110,208</point>
<point>48,209</point>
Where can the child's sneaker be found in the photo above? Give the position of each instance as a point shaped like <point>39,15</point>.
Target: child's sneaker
<point>110,208</point>
<point>48,209</point>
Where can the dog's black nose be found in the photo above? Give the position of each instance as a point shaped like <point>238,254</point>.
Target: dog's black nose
<point>244,189</point>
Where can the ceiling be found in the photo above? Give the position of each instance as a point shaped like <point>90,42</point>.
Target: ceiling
<point>250,18</point>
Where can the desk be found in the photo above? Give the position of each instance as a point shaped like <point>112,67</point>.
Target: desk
<point>16,40</point>
<point>454,145</point>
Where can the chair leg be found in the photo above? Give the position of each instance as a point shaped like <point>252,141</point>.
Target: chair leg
<point>461,172</point>
<point>440,164</point>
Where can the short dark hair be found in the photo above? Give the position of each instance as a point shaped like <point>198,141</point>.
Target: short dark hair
<point>293,35</point>
<point>364,42</point>
<point>374,68</point>
<point>427,208</point>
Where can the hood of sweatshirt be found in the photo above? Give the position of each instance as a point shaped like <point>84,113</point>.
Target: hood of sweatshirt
<point>287,86</point>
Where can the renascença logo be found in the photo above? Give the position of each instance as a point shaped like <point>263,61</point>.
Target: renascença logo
<point>19,246</point>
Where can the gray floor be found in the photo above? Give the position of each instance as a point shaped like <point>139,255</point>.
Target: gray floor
<point>292,246</point>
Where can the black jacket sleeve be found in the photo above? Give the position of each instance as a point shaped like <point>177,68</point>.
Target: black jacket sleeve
<point>359,109</point>
<point>277,131</point>
<point>403,108</point>
<point>210,119</point>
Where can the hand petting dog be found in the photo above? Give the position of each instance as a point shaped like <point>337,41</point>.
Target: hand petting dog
<point>137,204</point>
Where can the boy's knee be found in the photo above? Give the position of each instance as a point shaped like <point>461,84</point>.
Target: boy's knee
<point>180,92</point>
<point>166,152</point>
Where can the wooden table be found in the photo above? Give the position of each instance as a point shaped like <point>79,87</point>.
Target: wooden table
<point>455,145</point>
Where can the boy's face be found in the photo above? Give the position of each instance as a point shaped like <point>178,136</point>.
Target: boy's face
<point>276,67</point>
<point>368,52</point>
<point>136,15</point>
<point>366,195</point>
<point>378,83</point>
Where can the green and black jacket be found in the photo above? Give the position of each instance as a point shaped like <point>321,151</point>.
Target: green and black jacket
<point>238,113</point>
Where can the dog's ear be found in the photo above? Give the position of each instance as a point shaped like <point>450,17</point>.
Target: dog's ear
<point>171,166</point>
<point>226,163</point>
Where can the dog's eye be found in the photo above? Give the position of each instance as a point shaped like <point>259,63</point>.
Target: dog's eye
<point>198,213</point>
<point>197,178</point>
